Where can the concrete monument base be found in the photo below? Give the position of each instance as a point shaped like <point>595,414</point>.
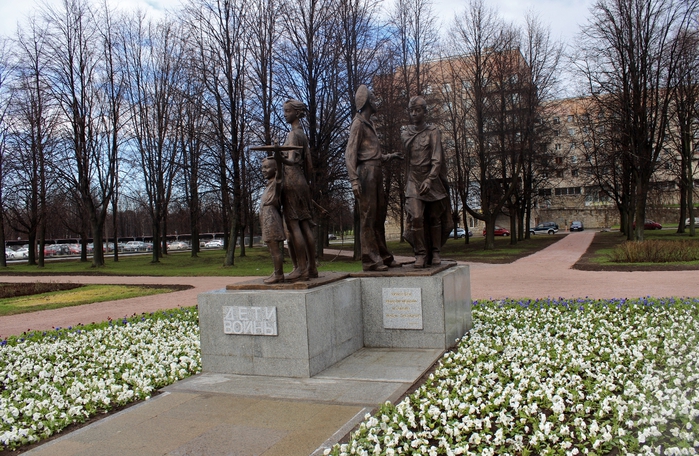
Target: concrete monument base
<point>301,332</point>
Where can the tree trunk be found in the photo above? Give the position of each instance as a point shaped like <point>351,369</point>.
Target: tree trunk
<point>97,240</point>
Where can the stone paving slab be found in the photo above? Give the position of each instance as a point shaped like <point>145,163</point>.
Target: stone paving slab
<point>219,415</point>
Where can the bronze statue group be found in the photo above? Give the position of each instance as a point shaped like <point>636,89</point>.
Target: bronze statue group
<point>286,205</point>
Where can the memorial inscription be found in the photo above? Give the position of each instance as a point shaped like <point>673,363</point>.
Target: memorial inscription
<point>256,321</point>
<point>402,308</point>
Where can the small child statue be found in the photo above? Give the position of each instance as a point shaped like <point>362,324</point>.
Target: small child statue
<point>271,218</point>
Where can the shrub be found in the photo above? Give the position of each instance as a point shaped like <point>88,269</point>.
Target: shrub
<point>655,251</point>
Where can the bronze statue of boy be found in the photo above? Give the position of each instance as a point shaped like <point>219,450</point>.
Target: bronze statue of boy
<point>428,219</point>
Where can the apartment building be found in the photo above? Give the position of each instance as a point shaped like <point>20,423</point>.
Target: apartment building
<point>572,187</point>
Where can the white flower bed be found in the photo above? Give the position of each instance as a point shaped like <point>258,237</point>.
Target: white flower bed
<point>51,380</point>
<point>554,377</point>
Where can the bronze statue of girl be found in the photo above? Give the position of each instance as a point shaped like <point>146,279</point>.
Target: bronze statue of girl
<point>296,196</point>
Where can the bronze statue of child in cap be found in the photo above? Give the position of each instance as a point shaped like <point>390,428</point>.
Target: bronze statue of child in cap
<point>271,218</point>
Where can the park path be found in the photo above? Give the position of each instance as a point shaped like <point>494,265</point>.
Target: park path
<point>546,273</point>
<point>549,273</point>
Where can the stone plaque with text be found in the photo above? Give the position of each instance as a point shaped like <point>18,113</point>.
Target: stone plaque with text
<point>402,308</point>
<point>254,321</point>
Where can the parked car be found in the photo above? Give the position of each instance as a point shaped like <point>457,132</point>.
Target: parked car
<point>59,249</point>
<point>19,254</point>
<point>177,245</point>
<point>696,221</point>
<point>214,244</point>
<point>135,246</point>
<point>499,231</point>
<point>546,227</point>
<point>649,225</point>
<point>576,226</point>
<point>331,237</point>
<point>74,249</point>
<point>460,232</point>
<point>10,254</point>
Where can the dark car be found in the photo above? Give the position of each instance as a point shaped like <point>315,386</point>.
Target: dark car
<point>576,226</point>
<point>500,231</point>
<point>649,225</point>
<point>546,227</point>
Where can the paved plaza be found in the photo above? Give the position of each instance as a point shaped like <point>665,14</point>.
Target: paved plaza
<point>214,414</point>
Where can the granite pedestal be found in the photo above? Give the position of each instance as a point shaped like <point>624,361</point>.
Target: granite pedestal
<point>301,332</point>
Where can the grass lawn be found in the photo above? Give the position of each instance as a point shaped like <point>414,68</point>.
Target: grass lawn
<point>597,257</point>
<point>257,261</point>
<point>504,252</point>
<point>75,296</point>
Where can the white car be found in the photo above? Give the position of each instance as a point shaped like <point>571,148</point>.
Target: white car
<point>696,221</point>
<point>214,244</point>
<point>135,246</point>
<point>18,254</point>
<point>177,245</point>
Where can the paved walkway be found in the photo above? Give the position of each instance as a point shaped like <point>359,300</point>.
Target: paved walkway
<point>546,273</point>
<point>212,414</point>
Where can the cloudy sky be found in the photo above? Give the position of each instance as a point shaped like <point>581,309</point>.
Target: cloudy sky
<point>563,16</point>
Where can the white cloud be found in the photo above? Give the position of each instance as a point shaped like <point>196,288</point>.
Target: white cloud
<point>563,16</point>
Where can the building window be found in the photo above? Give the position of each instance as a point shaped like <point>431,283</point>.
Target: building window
<point>560,174</point>
<point>556,132</point>
<point>565,191</point>
<point>570,118</point>
<point>544,192</point>
<point>571,131</point>
<point>559,160</point>
<point>594,196</point>
<point>574,173</point>
<point>574,159</point>
<point>556,120</point>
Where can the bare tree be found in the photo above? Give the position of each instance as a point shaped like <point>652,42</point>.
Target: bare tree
<point>486,44</point>
<point>155,73</point>
<point>684,112</point>
<point>629,60</point>
<point>609,170</point>
<point>265,33</point>
<point>194,125</point>
<point>33,139</point>
<point>222,68</point>
<point>542,56</point>
<point>312,68</point>
<point>76,77</point>
<point>112,106</point>
<point>5,101</point>
<point>416,38</point>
